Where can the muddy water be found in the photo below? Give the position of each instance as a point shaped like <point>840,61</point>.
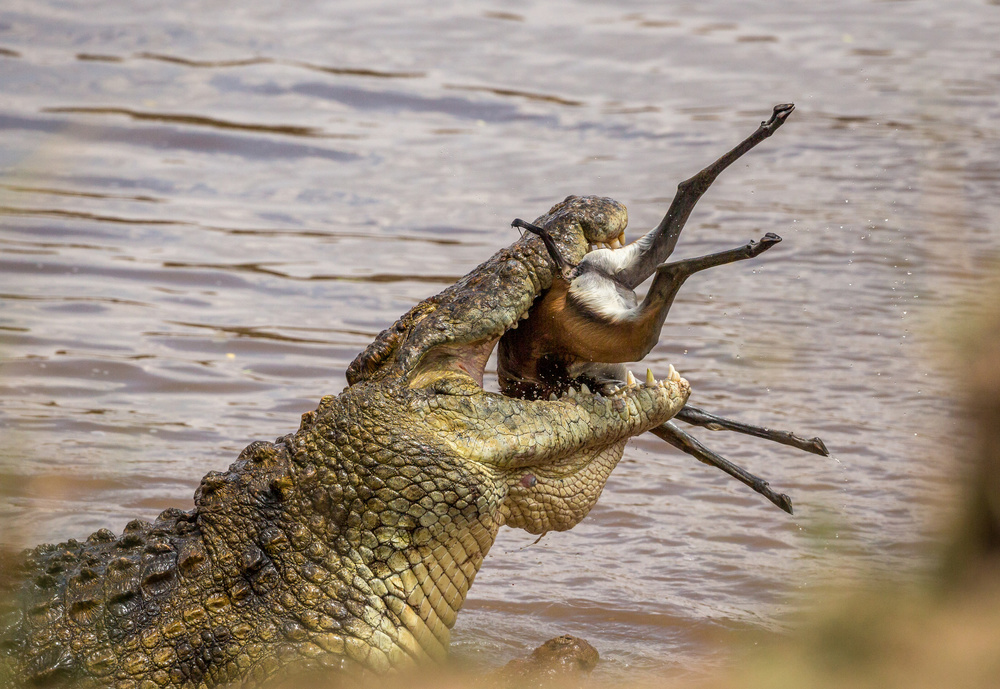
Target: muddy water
<point>206,212</point>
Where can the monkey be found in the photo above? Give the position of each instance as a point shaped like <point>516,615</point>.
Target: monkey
<point>601,323</point>
<point>589,323</point>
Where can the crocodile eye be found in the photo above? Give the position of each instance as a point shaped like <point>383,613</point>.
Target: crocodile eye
<point>529,480</point>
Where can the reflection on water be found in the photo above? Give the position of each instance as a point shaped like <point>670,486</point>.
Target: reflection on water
<point>205,215</point>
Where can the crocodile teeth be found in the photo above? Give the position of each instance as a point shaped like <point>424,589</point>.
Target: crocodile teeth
<point>615,244</point>
<point>584,388</point>
<point>673,375</point>
<point>553,398</point>
<point>629,379</point>
<point>650,380</point>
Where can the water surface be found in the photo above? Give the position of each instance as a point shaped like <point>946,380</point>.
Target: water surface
<point>207,211</point>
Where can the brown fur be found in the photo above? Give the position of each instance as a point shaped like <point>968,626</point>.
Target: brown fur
<point>558,332</point>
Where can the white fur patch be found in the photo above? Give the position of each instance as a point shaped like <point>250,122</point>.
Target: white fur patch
<point>601,295</point>
<point>611,261</point>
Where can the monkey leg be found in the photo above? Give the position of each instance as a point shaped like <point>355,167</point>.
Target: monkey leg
<point>655,247</point>
<point>700,417</point>
<point>669,432</point>
<point>670,276</point>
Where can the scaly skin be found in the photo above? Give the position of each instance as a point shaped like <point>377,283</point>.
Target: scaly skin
<point>353,542</point>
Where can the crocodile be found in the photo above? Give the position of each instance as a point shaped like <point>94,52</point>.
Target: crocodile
<point>350,544</point>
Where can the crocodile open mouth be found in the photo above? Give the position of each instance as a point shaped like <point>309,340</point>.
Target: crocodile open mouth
<point>616,243</point>
<point>566,324</point>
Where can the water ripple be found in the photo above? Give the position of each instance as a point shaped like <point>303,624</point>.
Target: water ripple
<point>173,139</point>
<point>248,62</point>
<point>199,121</point>
<point>497,91</point>
<point>80,194</point>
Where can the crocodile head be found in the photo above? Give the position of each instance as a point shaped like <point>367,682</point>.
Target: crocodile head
<point>551,457</point>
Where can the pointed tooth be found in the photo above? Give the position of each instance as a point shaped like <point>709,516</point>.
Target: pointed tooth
<point>650,380</point>
<point>629,379</point>
<point>552,397</point>
<point>673,375</point>
<point>615,244</point>
<point>513,326</point>
<point>621,238</point>
<point>584,388</point>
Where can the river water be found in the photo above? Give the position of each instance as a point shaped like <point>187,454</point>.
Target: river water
<point>207,209</point>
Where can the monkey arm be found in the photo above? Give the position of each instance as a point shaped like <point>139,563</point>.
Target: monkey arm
<point>550,244</point>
